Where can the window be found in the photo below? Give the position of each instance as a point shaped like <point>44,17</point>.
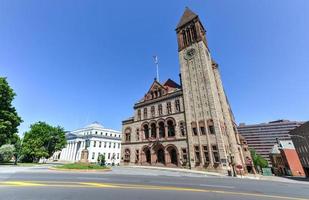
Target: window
<point>194,130</point>
<point>146,131</point>
<point>96,132</point>
<point>109,155</point>
<point>117,155</point>
<point>100,144</point>
<point>145,113</point>
<point>211,126</point>
<point>184,155</point>
<point>111,135</point>
<point>105,134</point>
<point>110,145</point>
<point>177,105</point>
<point>137,134</point>
<point>127,155</point>
<point>118,145</point>
<point>203,131</point>
<point>153,112</point>
<point>139,114</point>
<point>182,129</point>
<point>94,143</point>
<point>104,144</point>
<point>127,134</point>
<point>101,133</point>
<point>136,155</point>
<point>93,155</point>
<point>206,154</point>
<point>170,128</point>
<point>215,153</point>
<point>160,111</point>
<point>161,129</point>
<point>153,128</point>
<point>169,107</point>
<point>197,155</point>
<point>114,145</point>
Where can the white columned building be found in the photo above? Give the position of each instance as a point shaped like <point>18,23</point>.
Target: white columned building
<point>102,141</point>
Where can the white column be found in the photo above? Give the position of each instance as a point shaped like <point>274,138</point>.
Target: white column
<point>74,151</point>
<point>69,151</point>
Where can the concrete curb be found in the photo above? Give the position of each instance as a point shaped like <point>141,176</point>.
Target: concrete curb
<point>79,170</point>
<point>178,170</point>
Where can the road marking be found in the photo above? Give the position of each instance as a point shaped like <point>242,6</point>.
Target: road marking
<point>22,183</point>
<point>218,186</point>
<point>133,186</point>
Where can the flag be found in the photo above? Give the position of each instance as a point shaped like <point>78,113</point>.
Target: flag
<point>155,59</point>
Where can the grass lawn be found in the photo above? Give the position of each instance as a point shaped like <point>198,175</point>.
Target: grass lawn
<point>20,164</point>
<point>82,166</point>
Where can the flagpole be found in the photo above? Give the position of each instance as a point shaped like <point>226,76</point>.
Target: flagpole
<point>157,66</point>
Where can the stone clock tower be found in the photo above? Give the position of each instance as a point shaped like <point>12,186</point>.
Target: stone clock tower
<point>213,140</point>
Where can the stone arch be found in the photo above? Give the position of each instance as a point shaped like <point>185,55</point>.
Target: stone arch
<point>171,123</point>
<point>159,154</point>
<point>153,129</point>
<point>145,129</point>
<point>146,155</point>
<point>127,154</point>
<point>172,156</point>
<point>161,127</point>
<point>127,133</point>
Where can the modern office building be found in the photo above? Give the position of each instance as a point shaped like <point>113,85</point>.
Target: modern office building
<point>300,137</point>
<point>101,141</point>
<point>262,137</point>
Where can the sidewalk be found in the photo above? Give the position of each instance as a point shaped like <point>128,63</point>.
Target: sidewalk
<point>298,180</point>
<point>179,170</point>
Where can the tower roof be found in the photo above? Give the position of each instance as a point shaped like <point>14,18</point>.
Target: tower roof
<point>187,16</point>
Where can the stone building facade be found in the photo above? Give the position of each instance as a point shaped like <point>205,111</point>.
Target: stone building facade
<point>187,125</point>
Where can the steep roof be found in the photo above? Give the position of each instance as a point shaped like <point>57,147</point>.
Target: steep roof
<point>187,16</point>
<point>171,83</point>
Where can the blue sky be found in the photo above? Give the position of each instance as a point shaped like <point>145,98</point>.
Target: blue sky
<point>75,62</point>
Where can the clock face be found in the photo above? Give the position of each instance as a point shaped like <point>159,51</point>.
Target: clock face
<point>189,54</point>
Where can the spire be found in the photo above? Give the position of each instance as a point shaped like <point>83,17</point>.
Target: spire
<point>187,16</point>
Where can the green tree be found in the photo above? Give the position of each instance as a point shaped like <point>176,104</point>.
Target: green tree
<point>42,141</point>
<point>6,152</point>
<point>9,119</point>
<point>258,160</point>
<point>101,160</point>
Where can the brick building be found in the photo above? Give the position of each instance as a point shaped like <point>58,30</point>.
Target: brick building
<point>300,137</point>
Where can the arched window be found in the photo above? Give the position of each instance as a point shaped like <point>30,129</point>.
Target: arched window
<point>127,155</point>
<point>153,130</point>
<point>128,134</point>
<point>161,130</point>
<point>146,131</point>
<point>170,128</point>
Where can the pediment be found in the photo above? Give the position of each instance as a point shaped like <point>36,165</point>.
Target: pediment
<point>156,90</point>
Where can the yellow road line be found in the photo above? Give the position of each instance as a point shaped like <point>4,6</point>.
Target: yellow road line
<point>133,186</point>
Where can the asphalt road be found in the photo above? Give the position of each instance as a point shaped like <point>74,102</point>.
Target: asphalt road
<point>39,183</point>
